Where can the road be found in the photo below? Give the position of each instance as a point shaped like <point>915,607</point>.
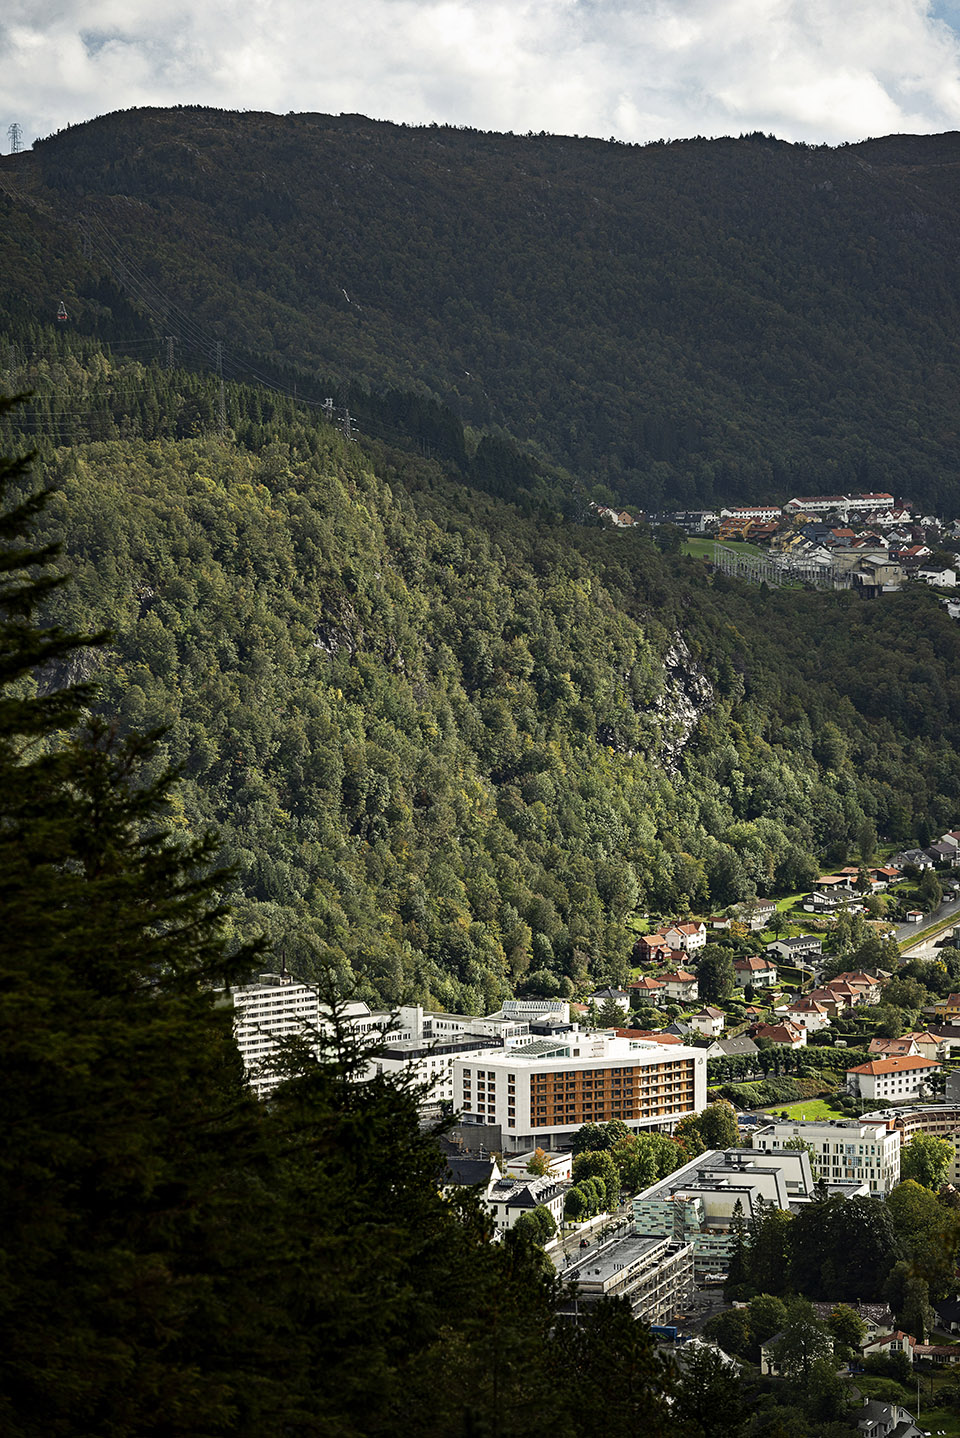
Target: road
<point>922,947</point>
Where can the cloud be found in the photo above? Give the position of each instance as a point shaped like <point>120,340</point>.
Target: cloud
<point>818,70</point>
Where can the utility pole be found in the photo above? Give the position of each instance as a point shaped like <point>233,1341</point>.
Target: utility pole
<point>15,135</point>
<point>222,408</point>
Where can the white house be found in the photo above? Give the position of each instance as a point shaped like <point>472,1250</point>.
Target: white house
<point>603,996</point>
<point>511,1198</point>
<point>688,937</point>
<point>709,1021</point>
<point>890,1080</point>
<point>680,987</point>
<point>759,972</point>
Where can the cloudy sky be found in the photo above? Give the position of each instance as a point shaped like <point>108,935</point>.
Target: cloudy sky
<point>816,70</point>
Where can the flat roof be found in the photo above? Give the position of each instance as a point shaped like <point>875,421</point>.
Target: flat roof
<point>604,1264</point>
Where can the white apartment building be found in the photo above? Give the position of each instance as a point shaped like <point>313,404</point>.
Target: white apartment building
<point>543,1091</point>
<point>266,1013</point>
<point>845,1150</point>
<point>893,1080</point>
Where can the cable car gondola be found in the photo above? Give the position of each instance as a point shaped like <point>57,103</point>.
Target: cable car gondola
<point>62,312</point>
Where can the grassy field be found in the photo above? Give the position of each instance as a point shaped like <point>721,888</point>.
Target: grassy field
<point>807,1108</point>
<point>703,548</point>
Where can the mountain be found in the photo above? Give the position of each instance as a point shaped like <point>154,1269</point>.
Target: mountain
<point>669,323</point>
<point>451,746</point>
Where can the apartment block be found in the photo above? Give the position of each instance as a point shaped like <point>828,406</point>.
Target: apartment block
<point>845,1150</point>
<point>541,1092</point>
<point>267,1013</point>
<point>655,1275</point>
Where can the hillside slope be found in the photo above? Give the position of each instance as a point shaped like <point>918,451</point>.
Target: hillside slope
<point>450,749</point>
<point>681,322</point>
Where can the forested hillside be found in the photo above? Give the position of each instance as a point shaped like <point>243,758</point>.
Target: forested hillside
<point>451,747</point>
<point>692,321</point>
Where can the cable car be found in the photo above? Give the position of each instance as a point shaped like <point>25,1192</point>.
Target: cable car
<point>62,312</point>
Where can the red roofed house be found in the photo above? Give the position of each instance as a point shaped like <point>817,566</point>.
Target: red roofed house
<point>681,987</point>
<point>650,990</point>
<point>858,983</point>
<point>760,972</point>
<point>653,948</point>
<point>888,1080</point>
<point>809,1012</point>
<point>893,1048</point>
<point>793,1035</point>
<point>687,937</point>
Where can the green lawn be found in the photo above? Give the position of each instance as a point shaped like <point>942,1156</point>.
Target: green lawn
<point>807,1108</point>
<point>703,548</point>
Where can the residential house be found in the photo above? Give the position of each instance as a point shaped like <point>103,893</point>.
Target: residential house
<point>887,1343</point>
<point>883,876</point>
<point>680,987</point>
<point>653,949</point>
<point>606,996</point>
<point>710,1022</point>
<point>919,858</point>
<point>948,1008</point>
<point>893,1048</point>
<point>757,913</point>
<point>759,972</point>
<point>817,903</point>
<point>892,1080</point>
<point>740,1047</point>
<point>931,1046</point>
<point>558,1164</point>
<point>877,1419</point>
<point>857,987</point>
<point>511,1198</point>
<point>687,937</point>
<point>944,853</point>
<point>808,1012</point>
<point>804,946</point>
<point>938,578</point>
<point>468,1171</point>
<point>649,991</point>
<point>792,1035</point>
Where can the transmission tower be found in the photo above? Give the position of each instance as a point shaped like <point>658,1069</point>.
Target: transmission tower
<point>15,136</point>
<point>222,407</point>
<point>169,343</point>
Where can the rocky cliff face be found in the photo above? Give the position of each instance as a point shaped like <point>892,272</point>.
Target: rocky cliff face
<point>687,694</point>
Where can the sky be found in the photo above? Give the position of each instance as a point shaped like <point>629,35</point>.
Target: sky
<point>813,70</point>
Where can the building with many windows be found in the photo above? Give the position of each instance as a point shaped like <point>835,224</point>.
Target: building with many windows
<point>655,1276</point>
<point>941,1120</point>
<point>267,1013</point>
<point>891,1079</point>
<point>844,1150</point>
<point>540,1092</point>
<point>700,1201</point>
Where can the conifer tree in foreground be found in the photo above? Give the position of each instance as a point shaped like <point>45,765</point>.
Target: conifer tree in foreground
<point>176,1259</point>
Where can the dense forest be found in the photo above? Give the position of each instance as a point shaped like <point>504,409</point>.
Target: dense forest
<point>452,744</point>
<point>180,1259</point>
<point>670,323</point>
